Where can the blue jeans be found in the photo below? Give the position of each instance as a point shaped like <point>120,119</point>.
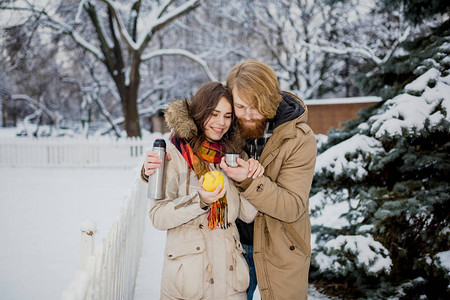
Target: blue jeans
<point>251,267</point>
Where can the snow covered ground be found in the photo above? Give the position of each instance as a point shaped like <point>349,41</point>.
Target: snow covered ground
<point>41,211</point>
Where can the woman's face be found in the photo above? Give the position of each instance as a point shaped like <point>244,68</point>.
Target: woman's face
<point>218,123</point>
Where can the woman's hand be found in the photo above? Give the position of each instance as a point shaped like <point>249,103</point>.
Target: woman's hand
<point>255,168</point>
<point>211,197</point>
<point>152,162</point>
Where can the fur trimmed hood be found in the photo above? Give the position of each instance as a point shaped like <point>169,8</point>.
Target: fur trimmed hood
<point>178,119</point>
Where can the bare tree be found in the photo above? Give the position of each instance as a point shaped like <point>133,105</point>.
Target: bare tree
<point>122,32</point>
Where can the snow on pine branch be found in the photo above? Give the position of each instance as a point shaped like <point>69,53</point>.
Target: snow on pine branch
<point>347,252</point>
<point>328,212</point>
<point>349,157</point>
<point>419,85</point>
<point>337,210</point>
<point>442,260</point>
<point>426,98</point>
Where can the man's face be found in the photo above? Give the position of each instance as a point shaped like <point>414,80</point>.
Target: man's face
<point>251,122</point>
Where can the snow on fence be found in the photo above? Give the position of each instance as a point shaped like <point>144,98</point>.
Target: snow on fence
<point>69,152</point>
<point>109,271</point>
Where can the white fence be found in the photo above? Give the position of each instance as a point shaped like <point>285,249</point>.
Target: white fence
<point>69,152</point>
<point>110,271</point>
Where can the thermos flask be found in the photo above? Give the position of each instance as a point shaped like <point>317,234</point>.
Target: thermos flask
<point>156,180</point>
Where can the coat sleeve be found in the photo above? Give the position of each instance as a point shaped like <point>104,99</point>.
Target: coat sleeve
<point>247,212</point>
<point>175,209</point>
<point>287,198</point>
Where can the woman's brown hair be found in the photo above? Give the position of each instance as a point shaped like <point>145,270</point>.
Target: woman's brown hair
<point>200,109</point>
<point>258,84</point>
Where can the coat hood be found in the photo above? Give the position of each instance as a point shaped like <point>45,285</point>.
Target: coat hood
<point>291,107</point>
<point>178,120</point>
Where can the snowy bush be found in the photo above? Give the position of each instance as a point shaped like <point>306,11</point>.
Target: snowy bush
<point>349,157</point>
<point>413,113</point>
<point>349,253</point>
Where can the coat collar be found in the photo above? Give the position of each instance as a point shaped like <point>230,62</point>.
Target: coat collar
<point>287,130</point>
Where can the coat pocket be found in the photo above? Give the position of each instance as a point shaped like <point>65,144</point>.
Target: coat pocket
<point>183,271</point>
<point>296,239</point>
<point>241,276</point>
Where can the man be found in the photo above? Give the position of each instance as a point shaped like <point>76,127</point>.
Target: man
<point>274,126</point>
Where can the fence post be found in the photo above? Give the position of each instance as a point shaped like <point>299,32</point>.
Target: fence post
<point>87,243</point>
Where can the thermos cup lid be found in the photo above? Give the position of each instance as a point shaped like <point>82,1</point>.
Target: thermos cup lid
<point>159,143</point>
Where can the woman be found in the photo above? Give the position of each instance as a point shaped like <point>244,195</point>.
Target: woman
<point>203,255</point>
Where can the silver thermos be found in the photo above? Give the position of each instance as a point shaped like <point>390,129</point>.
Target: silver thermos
<point>156,180</point>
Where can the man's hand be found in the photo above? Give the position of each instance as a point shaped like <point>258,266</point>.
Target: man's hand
<point>152,162</point>
<point>245,169</point>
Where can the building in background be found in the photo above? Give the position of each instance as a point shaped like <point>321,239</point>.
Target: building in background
<point>323,114</point>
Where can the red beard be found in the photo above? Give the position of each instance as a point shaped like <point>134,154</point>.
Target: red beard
<point>253,131</point>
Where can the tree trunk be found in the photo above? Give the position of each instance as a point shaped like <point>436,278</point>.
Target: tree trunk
<point>3,105</point>
<point>129,103</point>
<point>130,112</point>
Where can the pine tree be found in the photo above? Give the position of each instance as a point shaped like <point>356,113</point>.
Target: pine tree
<point>381,192</point>
<point>418,10</point>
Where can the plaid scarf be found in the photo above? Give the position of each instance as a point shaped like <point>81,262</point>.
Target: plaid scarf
<point>208,153</point>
